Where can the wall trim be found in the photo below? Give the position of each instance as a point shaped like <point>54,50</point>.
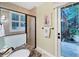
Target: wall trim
<point>44,52</point>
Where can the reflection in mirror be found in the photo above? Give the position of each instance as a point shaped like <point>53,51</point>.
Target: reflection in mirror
<point>14,36</point>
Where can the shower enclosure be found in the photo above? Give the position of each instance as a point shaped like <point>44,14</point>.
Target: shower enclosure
<point>19,23</point>
<point>31,31</point>
<point>70,30</point>
<point>12,24</point>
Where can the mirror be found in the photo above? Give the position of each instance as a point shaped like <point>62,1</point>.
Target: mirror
<point>12,29</point>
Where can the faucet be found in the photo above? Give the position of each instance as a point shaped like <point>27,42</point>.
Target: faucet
<point>7,51</point>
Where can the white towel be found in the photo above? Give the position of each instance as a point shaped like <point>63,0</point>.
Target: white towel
<point>46,32</point>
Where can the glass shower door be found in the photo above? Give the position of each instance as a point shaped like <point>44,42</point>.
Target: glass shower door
<point>31,31</point>
<point>70,30</point>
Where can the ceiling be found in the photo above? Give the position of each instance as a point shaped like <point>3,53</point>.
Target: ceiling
<point>28,5</point>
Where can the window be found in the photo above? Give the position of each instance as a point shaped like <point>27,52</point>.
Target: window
<point>17,22</point>
<point>22,18</point>
<point>15,17</point>
<point>15,25</point>
<point>22,22</point>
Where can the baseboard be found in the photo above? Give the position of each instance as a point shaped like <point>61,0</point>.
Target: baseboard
<point>44,52</point>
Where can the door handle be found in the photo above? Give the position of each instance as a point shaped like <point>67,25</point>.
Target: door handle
<point>58,35</point>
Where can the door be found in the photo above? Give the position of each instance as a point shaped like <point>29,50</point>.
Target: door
<point>31,31</point>
<point>68,30</point>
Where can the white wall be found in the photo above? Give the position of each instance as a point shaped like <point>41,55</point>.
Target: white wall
<point>48,44</point>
